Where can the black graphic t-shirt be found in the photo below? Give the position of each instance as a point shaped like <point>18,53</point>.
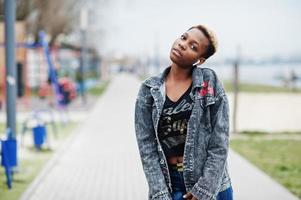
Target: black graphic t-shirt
<point>172,127</point>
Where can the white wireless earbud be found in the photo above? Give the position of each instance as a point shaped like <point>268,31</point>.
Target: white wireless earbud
<point>196,63</point>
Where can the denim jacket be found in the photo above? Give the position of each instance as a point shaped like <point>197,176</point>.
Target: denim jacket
<point>207,140</point>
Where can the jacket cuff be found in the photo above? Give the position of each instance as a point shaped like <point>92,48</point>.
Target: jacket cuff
<point>201,193</point>
<point>163,195</point>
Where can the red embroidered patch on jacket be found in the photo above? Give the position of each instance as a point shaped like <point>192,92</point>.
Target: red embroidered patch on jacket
<point>206,89</point>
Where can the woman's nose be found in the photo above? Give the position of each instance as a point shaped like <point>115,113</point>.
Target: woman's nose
<point>182,46</point>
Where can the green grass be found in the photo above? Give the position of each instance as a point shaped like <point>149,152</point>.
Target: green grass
<point>30,165</point>
<point>99,88</point>
<point>248,87</point>
<point>277,154</point>
<point>3,128</point>
<point>29,169</point>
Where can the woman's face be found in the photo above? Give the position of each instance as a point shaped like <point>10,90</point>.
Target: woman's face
<point>189,48</point>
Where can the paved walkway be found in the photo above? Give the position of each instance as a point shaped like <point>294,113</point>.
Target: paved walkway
<point>101,160</point>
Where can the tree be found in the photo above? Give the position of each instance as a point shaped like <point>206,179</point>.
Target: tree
<point>53,16</point>
<point>23,9</point>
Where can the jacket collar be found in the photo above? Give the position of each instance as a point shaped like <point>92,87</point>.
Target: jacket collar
<point>157,81</point>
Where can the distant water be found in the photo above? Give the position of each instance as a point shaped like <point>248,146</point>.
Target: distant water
<point>261,74</point>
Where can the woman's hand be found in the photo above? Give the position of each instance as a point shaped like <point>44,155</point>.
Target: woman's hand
<point>188,195</point>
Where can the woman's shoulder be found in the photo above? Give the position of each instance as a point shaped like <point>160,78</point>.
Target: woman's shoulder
<point>147,83</point>
<point>152,81</point>
<point>210,75</point>
<point>144,94</point>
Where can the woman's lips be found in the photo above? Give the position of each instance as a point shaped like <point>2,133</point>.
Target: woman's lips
<point>177,52</point>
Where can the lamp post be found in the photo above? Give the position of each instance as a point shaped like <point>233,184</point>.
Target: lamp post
<point>83,60</point>
<point>10,16</point>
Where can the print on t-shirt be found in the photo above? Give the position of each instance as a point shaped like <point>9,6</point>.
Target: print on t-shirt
<point>172,127</point>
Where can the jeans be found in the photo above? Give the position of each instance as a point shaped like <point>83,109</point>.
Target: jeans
<point>179,189</point>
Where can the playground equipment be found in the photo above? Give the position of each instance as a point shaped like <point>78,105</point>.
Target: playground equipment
<point>9,145</point>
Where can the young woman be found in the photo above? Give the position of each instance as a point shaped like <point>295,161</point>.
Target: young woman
<point>182,125</point>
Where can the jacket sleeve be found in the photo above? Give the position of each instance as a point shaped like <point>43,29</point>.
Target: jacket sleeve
<point>146,140</point>
<point>217,151</point>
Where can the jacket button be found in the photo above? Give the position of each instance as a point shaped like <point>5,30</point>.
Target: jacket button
<point>162,161</point>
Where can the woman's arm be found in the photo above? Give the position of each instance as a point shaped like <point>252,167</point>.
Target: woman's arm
<point>207,186</point>
<point>146,139</point>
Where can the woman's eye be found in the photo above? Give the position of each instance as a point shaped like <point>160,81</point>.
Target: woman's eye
<point>193,47</point>
<point>183,37</point>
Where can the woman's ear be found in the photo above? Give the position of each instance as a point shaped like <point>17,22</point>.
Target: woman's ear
<point>202,60</point>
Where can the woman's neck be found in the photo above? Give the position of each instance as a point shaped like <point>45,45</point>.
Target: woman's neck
<point>179,74</point>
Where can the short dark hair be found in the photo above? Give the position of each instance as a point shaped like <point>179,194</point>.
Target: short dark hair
<point>212,46</point>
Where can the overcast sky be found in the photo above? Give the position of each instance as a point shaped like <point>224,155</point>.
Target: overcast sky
<point>261,27</point>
